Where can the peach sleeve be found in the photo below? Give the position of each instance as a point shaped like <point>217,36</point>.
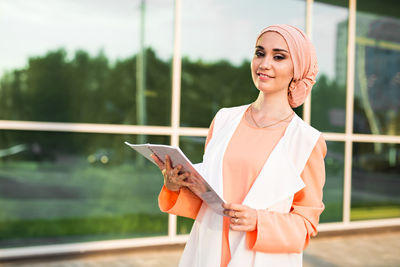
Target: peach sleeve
<point>183,203</point>
<point>290,233</point>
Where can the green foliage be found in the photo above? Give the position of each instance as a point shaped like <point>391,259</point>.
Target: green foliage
<point>184,225</point>
<point>73,200</point>
<point>82,229</point>
<point>84,89</point>
<point>206,87</point>
<point>370,212</point>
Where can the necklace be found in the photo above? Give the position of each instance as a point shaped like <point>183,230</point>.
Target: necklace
<point>268,125</point>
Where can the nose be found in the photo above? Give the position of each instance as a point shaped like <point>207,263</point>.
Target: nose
<point>266,63</point>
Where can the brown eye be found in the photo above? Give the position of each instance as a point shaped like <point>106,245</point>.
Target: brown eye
<point>259,53</point>
<point>279,57</point>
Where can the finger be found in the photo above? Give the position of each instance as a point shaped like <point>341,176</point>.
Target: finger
<point>230,213</point>
<point>183,183</point>
<point>176,170</point>
<point>236,207</point>
<point>159,163</point>
<point>232,207</point>
<point>164,174</point>
<point>167,163</point>
<point>195,189</point>
<point>178,180</point>
<point>241,214</point>
<point>227,206</point>
<point>235,221</point>
<point>190,180</point>
<point>239,228</point>
<point>182,177</point>
<point>194,180</point>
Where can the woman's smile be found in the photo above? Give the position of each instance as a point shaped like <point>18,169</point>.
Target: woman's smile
<point>272,66</point>
<point>264,76</point>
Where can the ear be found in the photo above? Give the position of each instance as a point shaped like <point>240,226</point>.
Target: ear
<point>290,83</point>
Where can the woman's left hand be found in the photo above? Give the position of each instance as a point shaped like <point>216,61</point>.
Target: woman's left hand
<point>242,218</point>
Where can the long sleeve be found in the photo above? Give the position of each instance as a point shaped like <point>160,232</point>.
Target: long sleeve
<point>183,203</point>
<point>290,233</point>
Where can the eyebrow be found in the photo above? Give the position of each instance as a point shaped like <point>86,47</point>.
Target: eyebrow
<point>274,49</point>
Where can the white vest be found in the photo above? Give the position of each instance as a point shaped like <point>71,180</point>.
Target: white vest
<point>273,190</point>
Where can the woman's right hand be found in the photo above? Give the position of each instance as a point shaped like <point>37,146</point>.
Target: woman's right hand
<point>174,179</point>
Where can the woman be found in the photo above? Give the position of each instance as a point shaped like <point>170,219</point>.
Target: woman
<point>266,162</point>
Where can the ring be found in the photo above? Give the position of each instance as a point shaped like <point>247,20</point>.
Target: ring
<point>236,220</point>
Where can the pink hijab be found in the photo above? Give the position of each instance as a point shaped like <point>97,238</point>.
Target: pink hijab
<point>304,60</point>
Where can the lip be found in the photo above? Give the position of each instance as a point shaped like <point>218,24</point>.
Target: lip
<point>264,76</point>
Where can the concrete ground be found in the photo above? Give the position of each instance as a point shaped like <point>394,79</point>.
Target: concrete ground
<point>362,249</point>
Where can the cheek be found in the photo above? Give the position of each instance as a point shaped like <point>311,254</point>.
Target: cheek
<point>252,66</point>
<point>287,71</point>
<point>253,69</point>
<point>291,70</point>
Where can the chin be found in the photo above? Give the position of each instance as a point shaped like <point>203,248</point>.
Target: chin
<point>265,89</point>
<point>269,89</point>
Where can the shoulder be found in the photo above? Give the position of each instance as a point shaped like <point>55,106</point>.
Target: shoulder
<point>231,111</point>
<point>315,137</point>
<point>307,129</point>
<point>320,147</point>
<point>227,114</point>
<point>303,133</point>
<point>302,139</point>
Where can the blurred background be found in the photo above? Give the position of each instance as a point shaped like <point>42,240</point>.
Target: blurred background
<point>78,78</point>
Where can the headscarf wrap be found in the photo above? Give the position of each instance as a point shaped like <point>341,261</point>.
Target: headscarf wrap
<point>304,61</point>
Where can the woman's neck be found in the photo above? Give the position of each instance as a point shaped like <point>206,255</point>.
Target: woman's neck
<point>271,106</point>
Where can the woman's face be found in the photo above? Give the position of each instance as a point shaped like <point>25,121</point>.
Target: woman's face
<point>272,66</point>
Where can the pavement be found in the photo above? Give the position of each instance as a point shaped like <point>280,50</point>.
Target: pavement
<point>360,249</point>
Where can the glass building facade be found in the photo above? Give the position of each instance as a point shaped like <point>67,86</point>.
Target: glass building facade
<point>78,78</point>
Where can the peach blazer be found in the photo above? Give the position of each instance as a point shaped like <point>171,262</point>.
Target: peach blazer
<point>267,194</point>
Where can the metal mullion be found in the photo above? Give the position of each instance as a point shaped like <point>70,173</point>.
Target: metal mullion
<point>176,75</point>
<point>307,102</point>
<point>176,98</point>
<point>370,138</point>
<point>100,128</point>
<point>84,127</point>
<point>164,130</point>
<point>362,224</point>
<point>339,137</point>
<point>88,247</point>
<point>362,138</point>
<point>349,112</point>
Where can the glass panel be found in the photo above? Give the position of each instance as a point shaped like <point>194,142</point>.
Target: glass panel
<point>73,187</point>
<point>82,61</point>
<point>193,147</point>
<point>328,101</point>
<point>377,77</point>
<point>333,189</point>
<point>375,181</point>
<point>218,40</point>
